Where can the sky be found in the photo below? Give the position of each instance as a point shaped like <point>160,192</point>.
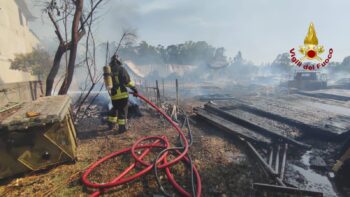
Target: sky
<point>260,29</point>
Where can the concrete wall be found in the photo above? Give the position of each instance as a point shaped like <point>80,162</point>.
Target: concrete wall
<point>20,92</point>
<point>15,38</point>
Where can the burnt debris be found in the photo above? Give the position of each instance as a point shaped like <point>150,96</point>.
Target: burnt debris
<point>273,126</point>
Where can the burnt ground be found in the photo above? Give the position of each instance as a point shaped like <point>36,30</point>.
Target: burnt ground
<point>225,168</point>
<point>311,169</point>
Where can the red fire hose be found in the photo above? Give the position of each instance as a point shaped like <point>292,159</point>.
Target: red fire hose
<point>161,163</point>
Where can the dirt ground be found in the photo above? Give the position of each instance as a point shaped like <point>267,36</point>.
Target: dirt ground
<point>224,168</point>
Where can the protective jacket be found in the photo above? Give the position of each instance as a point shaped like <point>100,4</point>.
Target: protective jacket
<point>121,80</point>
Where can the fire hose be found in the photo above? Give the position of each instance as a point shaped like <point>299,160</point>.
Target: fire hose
<point>161,161</point>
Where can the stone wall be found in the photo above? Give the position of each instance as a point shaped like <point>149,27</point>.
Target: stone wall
<point>20,92</point>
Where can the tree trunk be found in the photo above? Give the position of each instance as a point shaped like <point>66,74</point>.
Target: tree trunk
<point>54,70</point>
<point>74,48</point>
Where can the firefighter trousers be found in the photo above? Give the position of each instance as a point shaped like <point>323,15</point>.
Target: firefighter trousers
<point>118,113</point>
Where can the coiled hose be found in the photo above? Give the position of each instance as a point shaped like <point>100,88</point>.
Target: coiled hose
<point>161,161</point>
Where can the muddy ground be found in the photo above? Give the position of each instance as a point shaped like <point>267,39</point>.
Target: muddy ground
<point>225,168</point>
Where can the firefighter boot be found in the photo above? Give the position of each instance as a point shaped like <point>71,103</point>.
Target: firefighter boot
<point>111,126</point>
<point>122,128</point>
<point>112,122</point>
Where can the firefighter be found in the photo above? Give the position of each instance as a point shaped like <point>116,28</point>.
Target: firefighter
<point>119,95</point>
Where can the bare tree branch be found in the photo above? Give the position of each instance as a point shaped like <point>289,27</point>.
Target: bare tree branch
<point>74,45</point>
<point>73,12</point>
<point>57,29</point>
<point>90,13</point>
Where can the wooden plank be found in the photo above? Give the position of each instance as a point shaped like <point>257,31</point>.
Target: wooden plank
<point>277,161</point>
<point>284,158</point>
<point>267,125</point>
<point>273,174</point>
<point>251,121</point>
<point>303,98</point>
<point>9,106</point>
<point>305,117</point>
<point>232,128</point>
<point>335,94</point>
<point>285,190</point>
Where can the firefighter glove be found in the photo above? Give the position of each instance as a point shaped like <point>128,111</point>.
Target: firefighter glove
<point>135,92</point>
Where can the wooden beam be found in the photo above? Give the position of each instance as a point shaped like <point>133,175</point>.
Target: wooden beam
<point>266,166</point>
<point>271,156</point>
<point>277,163</point>
<point>231,127</point>
<point>285,190</point>
<point>300,114</point>
<point>283,166</point>
<point>254,127</point>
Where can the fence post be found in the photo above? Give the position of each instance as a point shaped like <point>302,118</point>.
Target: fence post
<point>31,90</point>
<point>146,89</point>
<point>158,93</point>
<point>35,89</point>
<point>177,92</point>
<point>163,88</point>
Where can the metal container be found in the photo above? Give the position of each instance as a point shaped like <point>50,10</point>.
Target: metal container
<point>35,143</point>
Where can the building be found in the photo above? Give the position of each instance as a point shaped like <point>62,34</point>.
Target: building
<point>15,38</point>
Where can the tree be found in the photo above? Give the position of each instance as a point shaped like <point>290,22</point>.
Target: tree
<point>198,53</point>
<point>172,54</point>
<point>238,58</point>
<point>282,63</point>
<point>345,65</point>
<point>337,67</point>
<point>37,62</point>
<point>346,61</point>
<point>61,13</point>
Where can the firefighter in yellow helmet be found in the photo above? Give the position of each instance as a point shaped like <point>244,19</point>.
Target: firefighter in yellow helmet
<point>119,94</point>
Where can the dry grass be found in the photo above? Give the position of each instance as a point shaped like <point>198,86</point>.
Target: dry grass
<point>225,170</point>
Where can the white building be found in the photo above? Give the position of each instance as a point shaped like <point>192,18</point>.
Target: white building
<point>15,38</point>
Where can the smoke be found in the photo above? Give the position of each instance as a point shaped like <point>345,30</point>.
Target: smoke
<point>168,22</point>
